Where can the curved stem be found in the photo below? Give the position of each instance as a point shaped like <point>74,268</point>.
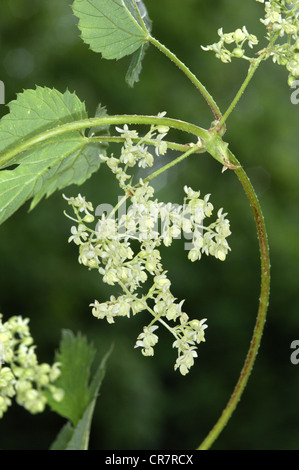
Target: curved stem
<point>262,310</point>
<point>209,99</point>
<point>100,121</point>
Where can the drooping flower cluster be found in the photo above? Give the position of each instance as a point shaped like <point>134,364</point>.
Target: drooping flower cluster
<point>147,224</point>
<point>20,374</point>
<point>282,21</point>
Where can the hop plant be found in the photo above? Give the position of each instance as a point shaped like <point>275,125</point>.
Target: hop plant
<point>21,376</point>
<point>108,247</point>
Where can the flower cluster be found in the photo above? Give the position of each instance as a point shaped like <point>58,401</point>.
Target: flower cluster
<point>238,38</point>
<point>136,153</point>
<point>125,249</point>
<point>282,21</point>
<point>20,374</point>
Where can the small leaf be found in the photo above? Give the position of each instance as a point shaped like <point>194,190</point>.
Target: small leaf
<point>49,165</point>
<point>101,111</point>
<point>114,28</point>
<point>80,391</point>
<point>76,357</point>
<point>135,66</point>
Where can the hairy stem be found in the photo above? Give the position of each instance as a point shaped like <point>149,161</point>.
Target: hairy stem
<point>100,121</point>
<point>252,69</point>
<point>209,99</point>
<point>119,139</point>
<point>262,310</point>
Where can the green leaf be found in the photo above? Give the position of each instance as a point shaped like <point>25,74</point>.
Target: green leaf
<point>101,111</point>
<point>49,165</point>
<point>80,437</point>
<point>135,66</point>
<point>76,357</point>
<point>80,391</point>
<point>114,28</point>
<point>77,438</point>
<point>142,12</point>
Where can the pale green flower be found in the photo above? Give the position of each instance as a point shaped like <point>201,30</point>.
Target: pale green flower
<point>147,340</point>
<point>78,234</point>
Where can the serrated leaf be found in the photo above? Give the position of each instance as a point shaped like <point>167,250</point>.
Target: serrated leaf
<point>114,28</point>
<point>76,357</point>
<point>35,111</point>
<point>55,163</point>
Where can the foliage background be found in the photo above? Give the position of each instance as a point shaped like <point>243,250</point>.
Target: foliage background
<point>143,403</point>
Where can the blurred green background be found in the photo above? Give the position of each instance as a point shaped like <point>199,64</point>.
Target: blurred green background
<point>144,404</point>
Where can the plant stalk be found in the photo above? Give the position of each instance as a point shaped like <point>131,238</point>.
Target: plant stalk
<point>24,145</point>
<point>252,69</point>
<point>262,309</point>
<point>207,96</point>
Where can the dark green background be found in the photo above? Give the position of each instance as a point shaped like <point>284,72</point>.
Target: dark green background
<point>144,404</point>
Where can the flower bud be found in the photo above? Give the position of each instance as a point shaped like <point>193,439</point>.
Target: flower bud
<point>162,129</point>
<point>238,52</point>
<point>88,218</point>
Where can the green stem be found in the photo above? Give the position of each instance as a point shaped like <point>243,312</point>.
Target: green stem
<point>252,69</point>
<point>262,310</point>
<point>118,139</point>
<point>101,121</point>
<point>179,159</point>
<point>209,99</point>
